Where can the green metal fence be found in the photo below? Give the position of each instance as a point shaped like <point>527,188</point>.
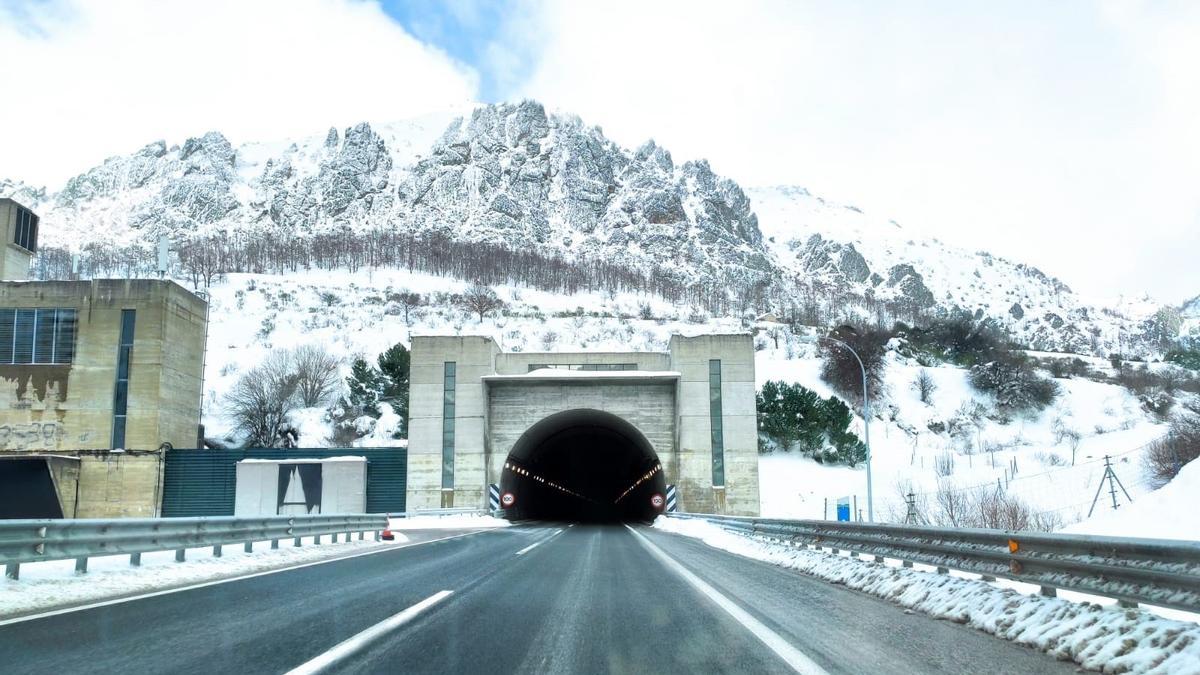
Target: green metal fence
<point>202,482</point>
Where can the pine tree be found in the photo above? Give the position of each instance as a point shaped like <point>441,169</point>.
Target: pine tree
<point>394,372</point>
<point>365,384</point>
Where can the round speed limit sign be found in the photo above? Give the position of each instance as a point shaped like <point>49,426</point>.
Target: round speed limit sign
<point>507,499</point>
<point>656,501</point>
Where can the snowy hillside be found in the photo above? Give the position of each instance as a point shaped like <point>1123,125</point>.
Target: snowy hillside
<point>515,176</point>
<point>1031,457</point>
<point>1028,458</point>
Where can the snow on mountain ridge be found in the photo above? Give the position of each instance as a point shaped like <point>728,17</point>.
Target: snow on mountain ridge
<point>517,176</point>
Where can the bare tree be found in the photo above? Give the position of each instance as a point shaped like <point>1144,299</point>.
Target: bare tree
<point>924,386</point>
<point>317,374</point>
<point>1166,456</point>
<point>408,301</point>
<point>480,299</point>
<point>261,401</point>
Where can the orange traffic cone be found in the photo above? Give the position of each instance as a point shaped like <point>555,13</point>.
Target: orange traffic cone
<point>387,530</point>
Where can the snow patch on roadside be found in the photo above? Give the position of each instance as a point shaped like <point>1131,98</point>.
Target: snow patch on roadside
<point>1108,639</point>
<point>452,522</point>
<point>54,584</point>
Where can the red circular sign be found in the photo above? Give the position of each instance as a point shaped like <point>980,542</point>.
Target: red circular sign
<point>656,501</point>
<point>507,499</point>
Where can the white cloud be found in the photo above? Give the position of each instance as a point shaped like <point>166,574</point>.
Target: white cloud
<point>1064,135</point>
<point>98,77</point>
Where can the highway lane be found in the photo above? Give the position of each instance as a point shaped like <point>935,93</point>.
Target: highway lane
<point>265,624</point>
<point>547,599</point>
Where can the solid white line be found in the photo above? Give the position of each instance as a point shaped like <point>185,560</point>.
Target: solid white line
<point>360,641</point>
<point>202,584</point>
<point>535,544</point>
<point>774,641</point>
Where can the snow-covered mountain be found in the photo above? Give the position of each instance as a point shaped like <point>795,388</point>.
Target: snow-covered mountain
<point>517,176</point>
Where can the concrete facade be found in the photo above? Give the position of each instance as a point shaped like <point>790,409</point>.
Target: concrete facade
<point>69,406</point>
<point>664,395</point>
<point>14,262</point>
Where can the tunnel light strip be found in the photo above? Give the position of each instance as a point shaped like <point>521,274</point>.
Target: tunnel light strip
<point>521,471</point>
<point>645,477</point>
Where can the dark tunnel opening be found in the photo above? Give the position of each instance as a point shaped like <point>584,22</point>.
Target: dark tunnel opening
<point>583,466</point>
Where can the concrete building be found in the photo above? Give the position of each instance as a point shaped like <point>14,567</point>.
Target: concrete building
<point>19,227</point>
<point>104,364</point>
<point>605,430</point>
<point>88,368</point>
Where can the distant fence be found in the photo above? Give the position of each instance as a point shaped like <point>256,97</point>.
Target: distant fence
<point>1131,570</point>
<point>203,482</point>
<point>25,541</point>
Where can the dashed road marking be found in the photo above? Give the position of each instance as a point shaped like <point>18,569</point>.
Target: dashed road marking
<point>361,641</point>
<point>798,661</point>
<point>535,544</point>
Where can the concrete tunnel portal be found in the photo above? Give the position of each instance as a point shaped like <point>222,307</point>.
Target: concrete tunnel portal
<point>583,465</point>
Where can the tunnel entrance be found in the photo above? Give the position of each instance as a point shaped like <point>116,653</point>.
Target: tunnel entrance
<point>583,466</point>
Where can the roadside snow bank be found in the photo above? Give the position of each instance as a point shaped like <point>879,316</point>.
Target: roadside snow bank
<point>54,584</point>
<point>462,521</point>
<point>1110,640</point>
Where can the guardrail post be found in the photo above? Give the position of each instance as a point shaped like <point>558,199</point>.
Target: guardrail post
<point>906,563</point>
<point>248,547</point>
<point>180,555</point>
<point>135,559</point>
<point>216,550</point>
<point>1049,591</point>
<point>274,543</point>
<point>296,543</point>
<point>942,570</point>
<point>376,535</point>
<point>361,535</point>
<point>333,537</point>
<point>317,539</point>
<point>1127,604</point>
<point>878,558</point>
<point>12,570</point>
<point>81,565</point>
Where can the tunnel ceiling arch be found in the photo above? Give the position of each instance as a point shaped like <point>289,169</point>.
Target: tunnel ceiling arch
<point>583,464</point>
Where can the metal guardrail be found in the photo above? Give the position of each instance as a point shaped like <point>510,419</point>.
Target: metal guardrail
<point>23,541</point>
<point>441,512</point>
<point>1154,571</point>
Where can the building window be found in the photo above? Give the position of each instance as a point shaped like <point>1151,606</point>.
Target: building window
<point>37,336</point>
<point>449,377</point>
<point>27,229</point>
<point>121,391</point>
<point>582,366</point>
<point>715,422</point>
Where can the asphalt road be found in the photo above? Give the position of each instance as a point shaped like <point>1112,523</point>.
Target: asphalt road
<point>529,599</point>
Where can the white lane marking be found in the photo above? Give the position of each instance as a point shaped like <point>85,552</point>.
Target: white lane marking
<point>167,591</point>
<point>535,544</point>
<point>362,640</point>
<point>774,641</point>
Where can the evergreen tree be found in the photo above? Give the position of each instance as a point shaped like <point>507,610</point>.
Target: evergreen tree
<point>394,370</point>
<point>365,384</point>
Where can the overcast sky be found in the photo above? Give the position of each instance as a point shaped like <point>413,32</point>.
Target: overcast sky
<point>1063,134</point>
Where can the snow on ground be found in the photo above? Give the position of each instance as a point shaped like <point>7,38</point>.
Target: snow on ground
<point>350,314</point>
<point>905,451</point>
<point>54,583</point>
<point>1166,513</point>
<point>450,522</point>
<point>1108,638</point>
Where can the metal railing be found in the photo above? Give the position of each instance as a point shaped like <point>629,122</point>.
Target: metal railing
<point>24,541</point>
<point>1155,571</point>
<point>461,511</point>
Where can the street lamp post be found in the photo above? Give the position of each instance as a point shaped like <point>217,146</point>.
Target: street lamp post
<point>866,421</point>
